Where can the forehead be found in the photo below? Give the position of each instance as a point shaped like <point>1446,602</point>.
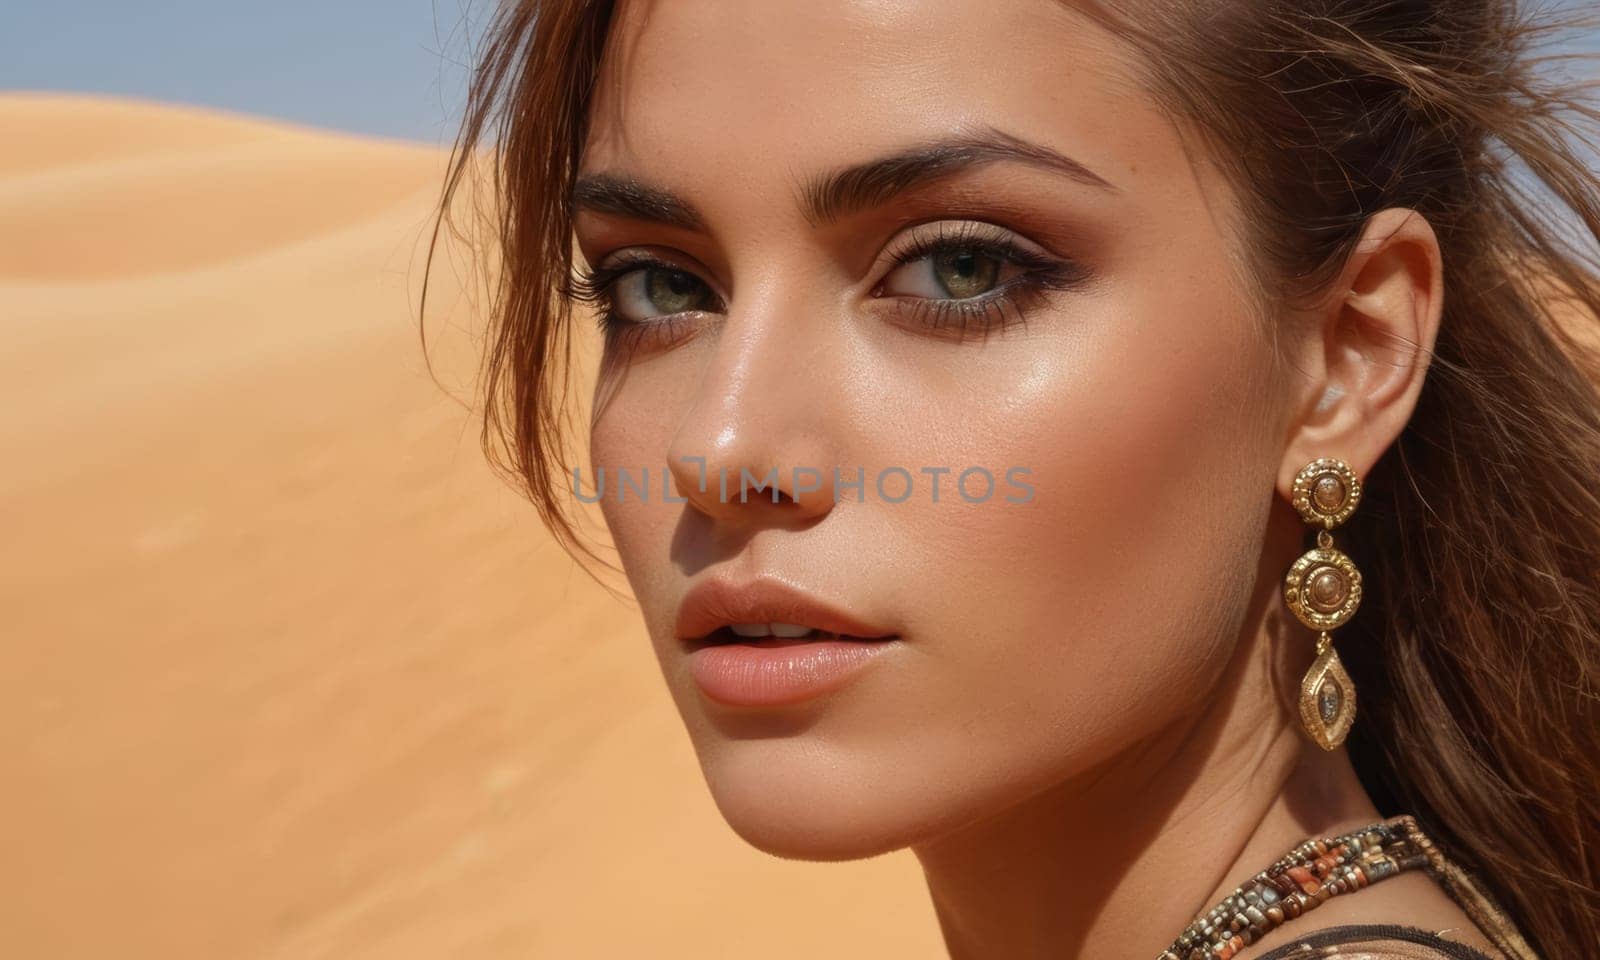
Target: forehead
<point>749,98</point>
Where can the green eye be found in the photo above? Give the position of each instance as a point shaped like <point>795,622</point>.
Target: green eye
<point>956,268</point>
<point>643,300</point>
<point>672,291</point>
<point>965,273</point>
<point>969,278</point>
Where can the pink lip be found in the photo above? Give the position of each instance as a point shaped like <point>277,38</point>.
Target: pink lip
<point>772,671</point>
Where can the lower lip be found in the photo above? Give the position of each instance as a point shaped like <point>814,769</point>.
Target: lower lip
<point>774,672</point>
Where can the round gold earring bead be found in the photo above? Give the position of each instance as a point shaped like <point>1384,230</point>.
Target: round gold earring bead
<point>1323,587</point>
<point>1326,492</point>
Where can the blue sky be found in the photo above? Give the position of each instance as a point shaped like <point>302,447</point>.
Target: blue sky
<point>386,67</point>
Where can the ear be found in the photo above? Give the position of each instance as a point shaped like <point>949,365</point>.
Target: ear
<point>1367,350</point>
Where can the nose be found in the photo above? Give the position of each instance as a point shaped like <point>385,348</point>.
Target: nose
<point>758,444</point>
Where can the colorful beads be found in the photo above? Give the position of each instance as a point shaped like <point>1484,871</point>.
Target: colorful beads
<point>1306,876</point>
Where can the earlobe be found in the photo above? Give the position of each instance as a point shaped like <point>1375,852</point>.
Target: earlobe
<point>1375,340</point>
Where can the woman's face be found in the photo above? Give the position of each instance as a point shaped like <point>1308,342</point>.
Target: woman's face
<point>1053,298</point>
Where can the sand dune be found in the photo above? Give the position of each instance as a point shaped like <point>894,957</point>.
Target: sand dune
<point>289,673</point>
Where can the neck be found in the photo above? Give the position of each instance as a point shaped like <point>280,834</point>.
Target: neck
<point>1117,861</point>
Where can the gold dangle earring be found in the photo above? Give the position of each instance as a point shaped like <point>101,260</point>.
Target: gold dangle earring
<point>1323,589</point>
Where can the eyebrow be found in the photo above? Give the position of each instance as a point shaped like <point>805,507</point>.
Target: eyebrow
<point>857,187</point>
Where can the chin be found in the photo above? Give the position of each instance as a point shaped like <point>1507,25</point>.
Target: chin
<point>808,807</point>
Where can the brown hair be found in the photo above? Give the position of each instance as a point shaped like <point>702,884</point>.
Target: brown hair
<point>1478,649</point>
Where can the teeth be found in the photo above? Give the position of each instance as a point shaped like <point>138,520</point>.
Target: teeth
<point>791,631</point>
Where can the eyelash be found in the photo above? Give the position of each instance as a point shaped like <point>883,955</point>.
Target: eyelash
<point>960,318</point>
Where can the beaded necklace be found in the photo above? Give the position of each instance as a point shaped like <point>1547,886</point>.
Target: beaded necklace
<point>1303,878</point>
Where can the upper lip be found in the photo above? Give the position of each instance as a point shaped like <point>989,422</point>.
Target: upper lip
<point>719,602</point>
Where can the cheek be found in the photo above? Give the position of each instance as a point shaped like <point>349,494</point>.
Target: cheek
<point>1066,627</point>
